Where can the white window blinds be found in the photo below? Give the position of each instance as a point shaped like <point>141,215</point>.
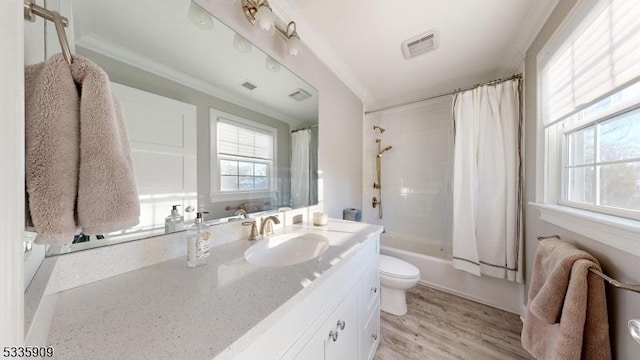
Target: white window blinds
<point>600,56</point>
<point>235,140</point>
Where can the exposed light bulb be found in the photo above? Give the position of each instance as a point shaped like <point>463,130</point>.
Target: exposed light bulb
<point>264,18</point>
<point>293,45</point>
<point>200,17</point>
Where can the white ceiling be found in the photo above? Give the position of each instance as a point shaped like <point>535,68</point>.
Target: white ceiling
<point>480,40</point>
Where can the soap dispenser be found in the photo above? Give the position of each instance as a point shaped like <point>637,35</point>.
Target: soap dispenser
<point>198,240</point>
<point>174,222</point>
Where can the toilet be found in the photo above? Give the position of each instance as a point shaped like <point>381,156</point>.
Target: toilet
<point>396,277</point>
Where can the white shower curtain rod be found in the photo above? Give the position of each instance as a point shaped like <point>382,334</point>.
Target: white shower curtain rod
<point>492,82</point>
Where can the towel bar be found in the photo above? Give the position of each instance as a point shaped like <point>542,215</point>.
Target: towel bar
<point>613,282</point>
<point>30,12</point>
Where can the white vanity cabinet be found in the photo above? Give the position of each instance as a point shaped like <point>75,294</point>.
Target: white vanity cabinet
<point>324,308</point>
<point>351,330</point>
<point>336,320</point>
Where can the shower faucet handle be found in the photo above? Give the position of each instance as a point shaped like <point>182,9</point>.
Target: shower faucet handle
<point>375,202</point>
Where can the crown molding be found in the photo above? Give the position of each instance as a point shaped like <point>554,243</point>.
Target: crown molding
<point>101,46</point>
<point>539,12</point>
<point>322,49</point>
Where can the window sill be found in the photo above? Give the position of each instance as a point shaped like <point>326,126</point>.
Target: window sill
<point>620,233</point>
<point>237,196</point>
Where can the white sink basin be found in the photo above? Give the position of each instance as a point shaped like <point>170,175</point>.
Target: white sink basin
<point>286,249</point>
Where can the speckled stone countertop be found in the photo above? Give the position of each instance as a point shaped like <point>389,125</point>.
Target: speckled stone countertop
<point>171,311</point>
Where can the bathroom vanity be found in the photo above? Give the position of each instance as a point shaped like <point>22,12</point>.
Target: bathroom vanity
<point>323,308</point>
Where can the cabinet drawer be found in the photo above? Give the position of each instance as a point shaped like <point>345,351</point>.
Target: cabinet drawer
<point>369,290</point>
<point>371,335</point>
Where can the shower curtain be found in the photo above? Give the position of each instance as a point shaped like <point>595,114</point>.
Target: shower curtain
<point>487,181</point>
<point>300,167</point>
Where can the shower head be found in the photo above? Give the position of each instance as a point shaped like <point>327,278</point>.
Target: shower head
<point>383,150</point>
<point>378,128</point>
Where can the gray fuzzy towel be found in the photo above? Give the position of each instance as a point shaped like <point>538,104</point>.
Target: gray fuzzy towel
<point>79,171</point>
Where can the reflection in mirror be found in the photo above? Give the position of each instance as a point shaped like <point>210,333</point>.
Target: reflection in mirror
<point>215,124</point>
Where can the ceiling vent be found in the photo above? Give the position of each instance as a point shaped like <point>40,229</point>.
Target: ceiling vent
<point>248,85</point>
<point>299,95</point>
<point>420,44</point>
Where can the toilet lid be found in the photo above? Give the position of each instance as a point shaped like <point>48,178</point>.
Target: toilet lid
<point>397,268</point>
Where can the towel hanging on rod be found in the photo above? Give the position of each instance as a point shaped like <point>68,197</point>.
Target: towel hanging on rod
<point>30,12</point>
<point>613,282</point>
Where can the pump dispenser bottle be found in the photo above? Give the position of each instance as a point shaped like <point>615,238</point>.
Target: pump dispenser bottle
<point>198,240</point>
<point>174,222</point>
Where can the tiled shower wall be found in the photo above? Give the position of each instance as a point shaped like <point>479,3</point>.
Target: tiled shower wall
<point>416,172</point>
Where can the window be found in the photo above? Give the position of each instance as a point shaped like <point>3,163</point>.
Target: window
<point>590,109</point>
<point>601,159</point>
<point>588,150</point>
<point>245,157</point>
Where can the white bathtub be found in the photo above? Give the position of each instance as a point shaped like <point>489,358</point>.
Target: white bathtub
<point>437,272</point>
<point>415,245</point>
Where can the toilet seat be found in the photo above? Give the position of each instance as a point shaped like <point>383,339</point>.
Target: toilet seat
<point>397,268</point>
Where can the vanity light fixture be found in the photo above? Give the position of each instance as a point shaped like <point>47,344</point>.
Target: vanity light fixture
<point>259,11</point>
<point>200,17</point>
<point>293,40</point>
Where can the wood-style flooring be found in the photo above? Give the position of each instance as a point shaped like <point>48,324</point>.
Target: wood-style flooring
<point>444,326</point>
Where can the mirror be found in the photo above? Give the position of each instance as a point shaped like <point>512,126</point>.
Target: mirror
<point>211,119</point>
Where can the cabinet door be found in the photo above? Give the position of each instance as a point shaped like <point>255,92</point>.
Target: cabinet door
<point>369,290</point>
<point>371,335</point>
<point>341,334</point>
<point>369,310</point>
<point>314,350</point>
<point>337,338</point>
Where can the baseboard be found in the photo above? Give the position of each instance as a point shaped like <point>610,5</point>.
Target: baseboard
<point>471,297</point>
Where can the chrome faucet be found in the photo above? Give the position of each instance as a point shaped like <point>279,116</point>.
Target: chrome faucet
<point>266,227</point>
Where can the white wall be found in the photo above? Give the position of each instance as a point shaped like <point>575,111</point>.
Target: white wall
<point>33,53</point>
<point>12,180</point>
<point>623,266</point>
<point>340,111</point>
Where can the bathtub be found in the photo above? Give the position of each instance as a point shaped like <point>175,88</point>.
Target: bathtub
<point>436,271</point>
